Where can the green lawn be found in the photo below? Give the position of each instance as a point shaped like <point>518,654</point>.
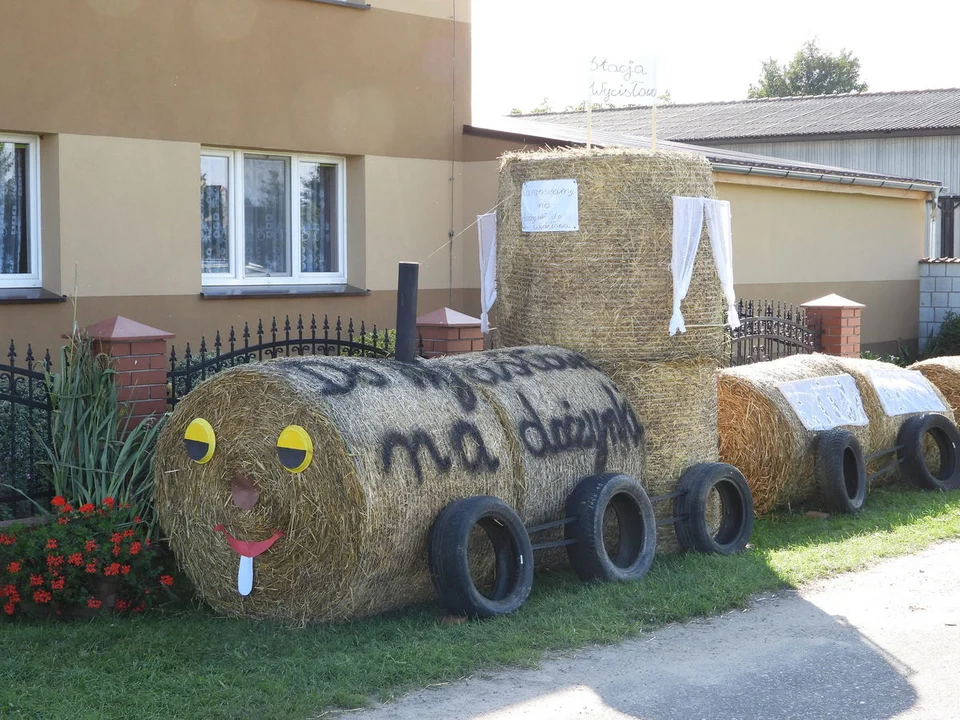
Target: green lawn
<point>195,665</point>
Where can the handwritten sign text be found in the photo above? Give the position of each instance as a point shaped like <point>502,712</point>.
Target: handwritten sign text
<point>550,206</point>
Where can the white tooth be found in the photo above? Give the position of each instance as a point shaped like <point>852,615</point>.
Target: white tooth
<point>245,575</point>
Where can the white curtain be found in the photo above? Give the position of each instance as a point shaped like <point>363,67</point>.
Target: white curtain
<point>487,226</point>
<point>721,240</point>
<point>687,225</point>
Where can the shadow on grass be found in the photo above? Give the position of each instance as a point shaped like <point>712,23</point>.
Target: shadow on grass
<point>196,665</point>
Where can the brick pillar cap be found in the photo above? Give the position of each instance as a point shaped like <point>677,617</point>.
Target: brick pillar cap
<point>832,301</point>
<point>445,317</point>
<point>121,329</point>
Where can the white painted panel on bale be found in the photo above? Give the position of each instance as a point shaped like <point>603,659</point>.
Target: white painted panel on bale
<point>904,391</point>
<point>824,403</point>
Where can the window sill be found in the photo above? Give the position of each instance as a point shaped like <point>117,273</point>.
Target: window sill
<point>277,291</point>
<point>12,296</point>
<point>344,3</point>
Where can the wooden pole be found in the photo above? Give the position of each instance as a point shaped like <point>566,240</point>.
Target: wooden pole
<point>653,127</point>
<point>407,311</point>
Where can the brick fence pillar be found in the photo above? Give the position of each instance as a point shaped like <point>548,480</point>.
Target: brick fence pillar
<point>839,320</point>
<point>448,332</point>
<point>139,355</point>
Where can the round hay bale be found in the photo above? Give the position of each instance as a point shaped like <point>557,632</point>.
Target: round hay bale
<point>883,428</point>
<point>677,404</point>
<point>762,436</point>
<point>393,443</point>
<point>606,290</point>
<point>944,374</point>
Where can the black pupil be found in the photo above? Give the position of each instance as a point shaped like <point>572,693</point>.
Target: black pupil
<point>196,449</point>
<point>291,457</point>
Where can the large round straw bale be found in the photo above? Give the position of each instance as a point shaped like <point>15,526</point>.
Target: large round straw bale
<point>883,428</point>
<point>761,434</point>
<point>394,443</point>
<point>944,374</point>
<point>606,290</point>
<point>677,403</point>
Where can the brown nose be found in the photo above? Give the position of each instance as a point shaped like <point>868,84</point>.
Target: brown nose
<point>245,493</point>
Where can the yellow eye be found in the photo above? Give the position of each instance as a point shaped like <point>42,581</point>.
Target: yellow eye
<point>294,448</point>
<point>200,441</point>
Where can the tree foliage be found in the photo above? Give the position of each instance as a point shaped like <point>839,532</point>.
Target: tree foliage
<point>811,72</point>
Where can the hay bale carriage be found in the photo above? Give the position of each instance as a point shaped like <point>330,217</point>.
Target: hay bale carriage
<point>817,428</point>
<point>329,488</point>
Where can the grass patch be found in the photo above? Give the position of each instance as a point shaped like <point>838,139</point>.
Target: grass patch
<point>197,665</point>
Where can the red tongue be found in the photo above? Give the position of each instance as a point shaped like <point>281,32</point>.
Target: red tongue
<point>249,549</point>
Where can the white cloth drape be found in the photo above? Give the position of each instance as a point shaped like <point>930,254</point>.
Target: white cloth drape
<point>721,240</point>
<point>487,227</point>
<point>688,215</point>
<point>687,225</point>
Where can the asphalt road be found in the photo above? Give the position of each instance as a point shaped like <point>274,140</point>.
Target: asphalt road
<point>883,643</point>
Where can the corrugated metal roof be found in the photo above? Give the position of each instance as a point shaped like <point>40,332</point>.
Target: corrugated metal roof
<point>912,111</point>
<point>540,132</point>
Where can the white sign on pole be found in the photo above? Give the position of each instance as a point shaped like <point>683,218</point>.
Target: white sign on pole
<point>623,81</point>
<point>824,403</point>
<point>550,206</point>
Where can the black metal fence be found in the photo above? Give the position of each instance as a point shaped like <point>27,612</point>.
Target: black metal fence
<point>291,340</point>
<point>771,330</point>
<point>24,426</point>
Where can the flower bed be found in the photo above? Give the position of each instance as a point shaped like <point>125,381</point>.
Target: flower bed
<point>81,562</point>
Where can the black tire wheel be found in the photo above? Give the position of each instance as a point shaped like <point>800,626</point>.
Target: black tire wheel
<point>840,471</point>
<point>450,557</point>
<point>729,532</point>
<point>604,550</point>
<point>910,452</point>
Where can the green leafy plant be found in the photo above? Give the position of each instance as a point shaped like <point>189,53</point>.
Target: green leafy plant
<point>947,341</point>
<point>82,563</point>
<point>95,451</point>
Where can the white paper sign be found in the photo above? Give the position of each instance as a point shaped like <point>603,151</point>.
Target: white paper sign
<point>623,81</point>
<point>550,206</point>
<point>903,391</point>
<point>824,403</point>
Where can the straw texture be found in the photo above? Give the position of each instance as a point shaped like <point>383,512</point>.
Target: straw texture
<point>944,374</point>
<point>393,444</point>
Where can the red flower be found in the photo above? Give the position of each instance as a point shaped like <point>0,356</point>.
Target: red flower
<point>94,603</point>
<point>75,559</point>
<point>58,501</point>
<point>125,569</point>
<point>67,508</point>
<point>41,596</point>
<point>13,567</point>
<point>112,569</point>
<point>135,548</point>
<point>122,605</point>
<point>87,508</point>
<point>136,519</point>
<point>63,521</point>
<point>36,580</point>
<point>90,546</point>
<point>166,579</point>
<point>7,539</point>
<point>57,584</point>
<point>51,544</point>
<point>148,542</point>
<point>109,502</point>
<point>116,537</point>
<point>9,608</point>
<point>116,550</point>
<point>92,567</point>
<point>128,533</point>
<point>54,561</point>
<point>7,590</point>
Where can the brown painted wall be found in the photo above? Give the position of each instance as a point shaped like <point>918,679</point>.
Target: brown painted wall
<point>274,74</point>
<point>190,316</point>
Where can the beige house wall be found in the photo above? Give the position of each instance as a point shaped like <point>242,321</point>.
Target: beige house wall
<point>795,245</point>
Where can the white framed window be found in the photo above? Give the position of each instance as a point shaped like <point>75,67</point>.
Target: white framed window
<point>19,211</point>
<point>272,218</point>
